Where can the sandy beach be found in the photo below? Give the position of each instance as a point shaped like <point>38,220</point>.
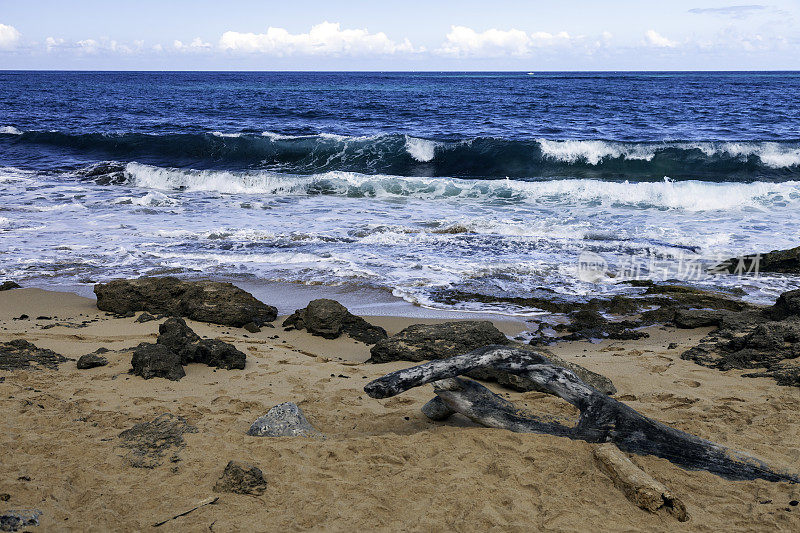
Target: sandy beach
<point>383,465</point>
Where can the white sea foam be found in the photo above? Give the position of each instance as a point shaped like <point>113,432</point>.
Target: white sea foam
<point>151,199</point>
<point>10,130</point>
<point>422,150</point>
<point>593,152</point>
<point>771,154</point>
<point>221,134</point>
<point>666,194</point>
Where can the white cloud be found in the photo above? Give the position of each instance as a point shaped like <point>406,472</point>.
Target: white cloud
<point>653,38</point>
<point>9,37</point>
<point>93,46</point>
<point>326,38</point>
<point>738,12</point>
<point>466,42</point>
<point>197,45</point>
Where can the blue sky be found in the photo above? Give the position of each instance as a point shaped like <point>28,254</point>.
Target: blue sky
<point>407,35</point>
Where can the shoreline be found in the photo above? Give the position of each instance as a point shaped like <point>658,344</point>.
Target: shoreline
<point>373,469</point>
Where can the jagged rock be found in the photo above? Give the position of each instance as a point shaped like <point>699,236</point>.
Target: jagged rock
<point>250,327</point>
<point>697,318</point>
<point>241,478</point>
<point>422,342</point>
<point>145,317</point>
<point>19,353</point>
<point>779,261</point>
<point>179,338</point>
<point>204,301</point>
<point>787,305</point>
<point>156,361</point>
<point>785,374</point>
<point>22,518</point>
<point>590,324</point>
<point>91,360</point>
<point>148,441</point>
<point>283,420</point>
<point>329,319</point>
<point>8,285</point>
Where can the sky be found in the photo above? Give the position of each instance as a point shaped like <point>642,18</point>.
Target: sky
<point>399,36</point>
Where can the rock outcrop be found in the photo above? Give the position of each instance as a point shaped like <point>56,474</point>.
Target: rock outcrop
<point>21,354</point>
<point>329,319</point>
<point>204,301</point>
<point>422,342</point>
<point>178,337</point>
<point>148,442</point>
<point>283,420</point>
<point>15,520</point>
<point>8,285</point>
<point>241,478</point>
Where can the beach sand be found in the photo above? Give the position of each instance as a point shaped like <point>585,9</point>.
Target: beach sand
<point>383,466</point>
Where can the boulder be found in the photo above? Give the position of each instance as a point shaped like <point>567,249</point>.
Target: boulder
<point>422,342</point>
<point>91,360</point>
<point>204,301</point>
<point>145,317</point>
<point>241,478</point>
<point>787,305</point>
<point>329,319</point>
<point>156,361</point>
<point>179,338</point>
<point>779,261</point>
<point>283,420</point>
<point>8,285</point>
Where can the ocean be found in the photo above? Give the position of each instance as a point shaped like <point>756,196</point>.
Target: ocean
<point>453,191</point>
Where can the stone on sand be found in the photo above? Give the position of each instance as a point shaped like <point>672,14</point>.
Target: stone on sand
<point>14,520</point>
<point>8,285</point>
<point>283,420</point>
<point>19,354</point>
<point>204,301</point>
<point>156,361</point>
<point>179,337</point>
<point>241,478</point>
<point>91,360</point>
<point>329,319</point>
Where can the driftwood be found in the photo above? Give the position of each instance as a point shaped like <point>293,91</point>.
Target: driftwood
<point>207,501</point>
<point>602,418</point>
<point>641,489</point>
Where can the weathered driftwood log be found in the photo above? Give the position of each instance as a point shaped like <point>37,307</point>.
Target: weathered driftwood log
<point>641,489</point>
<point>602,419</point>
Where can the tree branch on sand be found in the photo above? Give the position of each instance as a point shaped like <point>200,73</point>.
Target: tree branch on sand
<point>602,418</point>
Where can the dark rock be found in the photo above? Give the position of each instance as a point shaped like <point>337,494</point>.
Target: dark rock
<point>283,420</point>
<point>4,496</point>
<point>778,261</point>
<point>329,319</point>
<point>179,338</point>
<point>251,328</point>
<point>91,360</point>
<point>156,361</point>
<point>16,520</point>
<point>697,318</point>
<point>145,317</point>
<point>147,442</point>
<point>422,342</point>
<point>19,354</point>
<point>241,478</point>
<point>8,285</point>
<point>787,305</point>
<point>784,374</point>
<point>204,301</point>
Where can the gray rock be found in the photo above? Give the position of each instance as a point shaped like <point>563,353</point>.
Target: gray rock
<point>283,420</point>
<point>8,285</point>
<point>329,319</point>
<point>16,520</point>
<point>241,478</point>
<point>148,442</point>
<point>697,318</point>
<point>204,301</point>
<point>178,337</point>
<point>422,342</point>
<point>251,328</point>
<point>156,361</point>
<point>91,360</point>
<point>787,305</point>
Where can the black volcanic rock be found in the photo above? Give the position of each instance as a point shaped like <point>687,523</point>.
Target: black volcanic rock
<point>156,361</point>
<point>179,338</point>
<point>777,261</point>
<point>329,319</point>
<point>204,301</point>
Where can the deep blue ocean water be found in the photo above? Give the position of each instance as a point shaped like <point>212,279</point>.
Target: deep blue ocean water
<point>417,183</point>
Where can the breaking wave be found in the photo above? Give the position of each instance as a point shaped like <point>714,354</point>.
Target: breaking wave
<point>403,155</point>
